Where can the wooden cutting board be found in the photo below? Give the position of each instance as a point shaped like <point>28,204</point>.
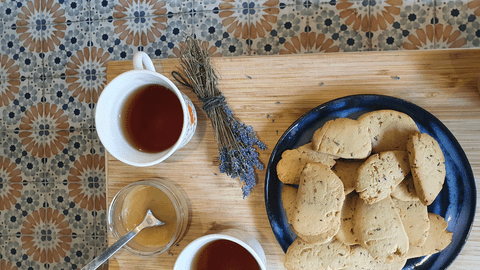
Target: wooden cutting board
<point>270,93</point>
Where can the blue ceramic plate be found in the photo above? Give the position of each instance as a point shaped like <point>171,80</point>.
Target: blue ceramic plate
<point>456,202</point>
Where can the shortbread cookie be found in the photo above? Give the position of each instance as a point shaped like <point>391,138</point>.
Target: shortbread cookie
<point>333,226</point>
<point>361,259</point>
<point>346,233</point>
<point>343,137</point>
<point>428,166</point>
<point>320,198</point>
<point>289,200</point>
<point>405,191</point>
<point>415,220</point>
<point>346,170</point>
<point>303,256</point>
<point>380,230</point>
<point>389,129</point>
<point>438,238</point>
<point>380,174</point>
<point>291,165</point>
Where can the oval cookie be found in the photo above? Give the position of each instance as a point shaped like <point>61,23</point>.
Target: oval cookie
<point>343,137</point>
<point>380,174</point>
<point>331,255</point>
<point>380,230</point>
<point>428,166</point>
<point>319,200</point>
<point>388,129</point>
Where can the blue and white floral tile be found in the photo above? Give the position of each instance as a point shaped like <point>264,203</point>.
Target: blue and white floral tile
<point>23,45</point>
<point>457,25</point>
<point>101,9</point>
<point>63,46</point>
<point>204,5</point>
<point>22,204</point>
<point>325,27</point>
<point>78,219</point>
<point>72,145</point>
<point>82,250</point>
<point>402,25</point>
<point>74,10</point>
<point>355,25</point>
<point>69,96</point>
<point>210,30</point>
<point>287,31</point>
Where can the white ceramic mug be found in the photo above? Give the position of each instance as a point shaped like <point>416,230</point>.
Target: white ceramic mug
<point>110,104</point>
<point>187,257</point>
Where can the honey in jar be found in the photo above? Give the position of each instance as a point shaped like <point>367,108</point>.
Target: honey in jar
<point>135,207</point>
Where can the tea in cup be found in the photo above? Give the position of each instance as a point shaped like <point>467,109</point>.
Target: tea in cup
<point>229,249</point>
<point>141,116</point>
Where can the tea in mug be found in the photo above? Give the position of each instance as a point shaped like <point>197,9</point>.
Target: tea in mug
<point>152,118</point>
<point>224,254</point>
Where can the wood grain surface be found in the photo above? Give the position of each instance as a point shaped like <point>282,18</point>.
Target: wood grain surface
<point>270,93</point>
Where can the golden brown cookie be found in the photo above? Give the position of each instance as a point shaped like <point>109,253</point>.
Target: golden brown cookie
<point>346,170</point>
<point>343,137</point>
<point>380,230</point>
<point>333,226</point>
<point>380,174</point>
<point>303,256</point>
<point>405,191</point>
<point>415,220</point>
<point>289,200</point>
<point>438,238</point>
<point>389,129</point>
<point>428,166</point>
<point>346,233</point>
<point>361,259</point>
<point>319,200</point>
<point>293,161</point>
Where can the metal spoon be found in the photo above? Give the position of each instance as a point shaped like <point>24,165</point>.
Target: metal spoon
<point>148,221</point>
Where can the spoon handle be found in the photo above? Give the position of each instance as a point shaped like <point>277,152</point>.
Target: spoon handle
<point>95,263</point>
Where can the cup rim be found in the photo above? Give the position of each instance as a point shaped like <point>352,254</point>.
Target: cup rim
<point>103,135</point>
<point>218,236</point>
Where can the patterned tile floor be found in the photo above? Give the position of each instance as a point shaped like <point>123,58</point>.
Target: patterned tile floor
<point>53,56</point>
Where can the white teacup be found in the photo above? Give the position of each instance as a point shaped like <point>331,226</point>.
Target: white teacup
<point>109,108</point>
<point>186,259</point>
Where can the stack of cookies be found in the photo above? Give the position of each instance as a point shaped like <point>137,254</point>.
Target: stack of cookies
<point>357,194</point>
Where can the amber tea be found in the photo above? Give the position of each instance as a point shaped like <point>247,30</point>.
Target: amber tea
<point>224,255</point>
<point>152,118</point>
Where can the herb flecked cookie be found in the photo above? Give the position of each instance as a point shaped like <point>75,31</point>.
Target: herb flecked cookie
<point>319,201</point>
<point>289,198</point>
<point>380,230</point>
<point>380,174</point>
<point>389,129</point>
<point>331,255</point>
<point>293,161</point>
<point>438,238</point>
<point>405,191</point>
<point>428,166</point>
<point>414,215</point>
<point>343,137</point>
<point>361,259</point>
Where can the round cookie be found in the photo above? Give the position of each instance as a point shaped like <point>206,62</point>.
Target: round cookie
<point>428,166</point>
<point>389,129</point>
<point>361,259</point>
<point>343,137</point>
<point>438,238</point>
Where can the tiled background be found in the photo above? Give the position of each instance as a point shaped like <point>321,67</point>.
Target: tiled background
<point>53,56</point>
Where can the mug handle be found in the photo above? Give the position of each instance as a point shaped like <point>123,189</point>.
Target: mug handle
<point>141,60</point>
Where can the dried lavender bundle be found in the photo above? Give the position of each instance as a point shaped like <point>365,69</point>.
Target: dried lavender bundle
<point>236,141</point>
